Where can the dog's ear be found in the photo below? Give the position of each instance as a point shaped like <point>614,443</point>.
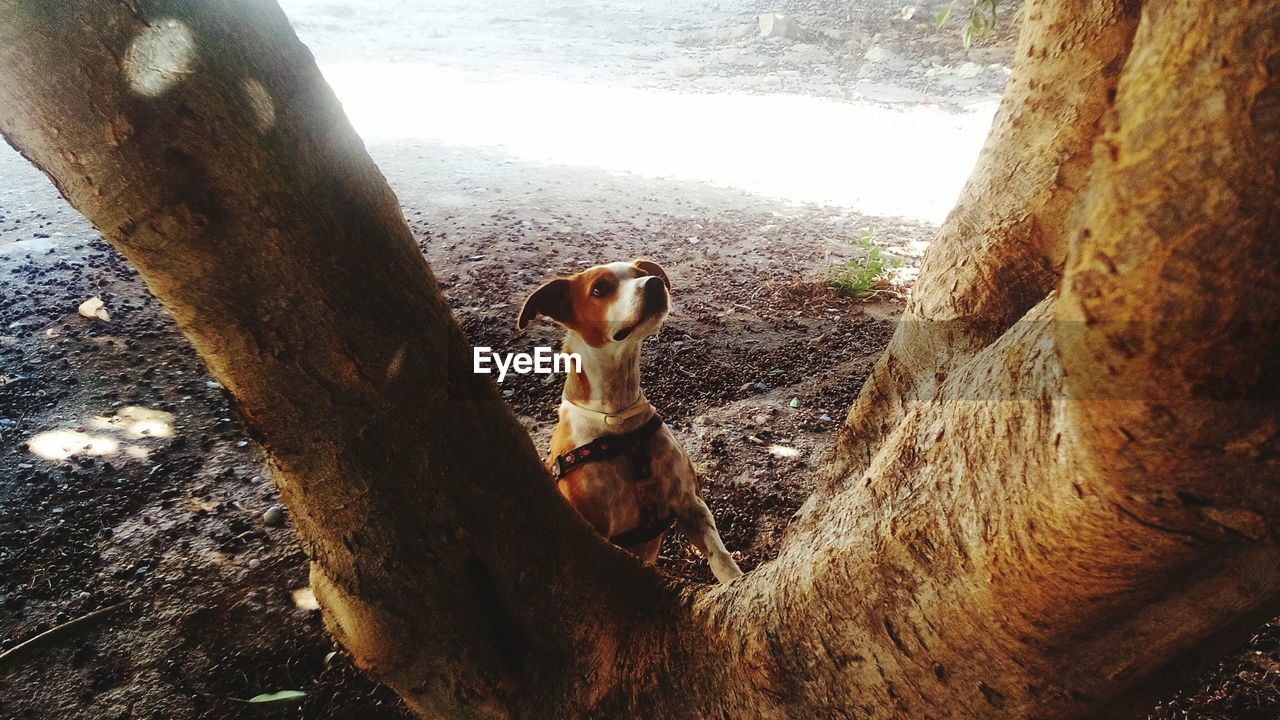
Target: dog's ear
<point>551,300</point>
<point>652,268</point>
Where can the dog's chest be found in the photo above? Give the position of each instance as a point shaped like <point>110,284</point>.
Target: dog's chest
<point>618,491</point>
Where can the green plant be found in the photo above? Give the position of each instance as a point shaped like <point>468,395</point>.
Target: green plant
<point>982,20</point>
<point>860,275</point>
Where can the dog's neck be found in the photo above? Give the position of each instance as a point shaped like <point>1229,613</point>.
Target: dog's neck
<point>609,381</point>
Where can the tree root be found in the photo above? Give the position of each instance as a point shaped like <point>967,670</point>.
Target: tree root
<point>15,653</point>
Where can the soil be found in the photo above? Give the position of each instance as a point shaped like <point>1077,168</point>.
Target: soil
<point>125,476</point>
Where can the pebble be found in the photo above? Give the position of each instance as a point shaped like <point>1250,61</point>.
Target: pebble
<point>825,418</point>
<point>274,516</point>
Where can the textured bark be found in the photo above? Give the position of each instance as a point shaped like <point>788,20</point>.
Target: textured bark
<point>1002,248</point>
<point>283,256</point>
<point>1056,495</point>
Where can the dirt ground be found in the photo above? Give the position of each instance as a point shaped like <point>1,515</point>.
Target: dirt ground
<point>524,139</point>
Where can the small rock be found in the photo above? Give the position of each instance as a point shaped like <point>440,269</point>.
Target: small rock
<point>795,402</point>
<point>93,309</point>
<point>747,386</point>
<point>825,418</point>
<point>274,516</point>
<point>762,386</point>
<point>778,25</point>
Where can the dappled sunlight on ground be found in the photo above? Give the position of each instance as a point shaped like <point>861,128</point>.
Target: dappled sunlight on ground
<point>106,436</point>
<point>63,444</point>
<point>907,161</point>
<point>137,422</point>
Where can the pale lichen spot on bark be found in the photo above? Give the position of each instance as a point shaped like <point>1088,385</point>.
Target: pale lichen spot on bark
<point>159,56</point>
<point>260,103</point>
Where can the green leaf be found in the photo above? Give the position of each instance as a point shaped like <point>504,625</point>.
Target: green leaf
<point>943,16</point>
<point>283,698</point>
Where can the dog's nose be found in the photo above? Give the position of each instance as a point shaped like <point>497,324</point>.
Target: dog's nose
<point>655,294</point>
<point>653,285</point>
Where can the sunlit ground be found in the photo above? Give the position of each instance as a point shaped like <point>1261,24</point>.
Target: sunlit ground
<point>124,434</point>
<point>908,162</point>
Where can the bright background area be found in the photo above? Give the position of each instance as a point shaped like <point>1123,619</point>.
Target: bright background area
<point>646,94</point>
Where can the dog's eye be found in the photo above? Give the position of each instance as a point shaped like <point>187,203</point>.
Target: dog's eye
<point>601,288</point>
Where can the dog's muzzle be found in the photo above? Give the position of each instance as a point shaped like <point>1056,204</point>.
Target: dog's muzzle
<point>655,296</point>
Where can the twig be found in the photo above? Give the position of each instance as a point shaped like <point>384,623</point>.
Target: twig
<point>12,654</point>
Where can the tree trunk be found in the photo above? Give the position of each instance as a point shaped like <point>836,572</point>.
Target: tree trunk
<point>1054,497</point>
<point>1003,246</point>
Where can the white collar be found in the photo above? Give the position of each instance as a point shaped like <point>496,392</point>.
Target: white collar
<point>639,407</point>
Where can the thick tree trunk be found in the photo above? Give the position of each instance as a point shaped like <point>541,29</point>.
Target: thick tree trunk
<point>202,141</point>
<point>1056,493</point>
<point>1002,248</point>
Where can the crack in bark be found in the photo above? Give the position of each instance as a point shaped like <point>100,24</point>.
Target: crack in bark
<point>1157,527</point>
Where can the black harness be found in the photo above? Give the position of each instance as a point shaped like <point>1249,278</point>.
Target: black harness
<point>635,445</point>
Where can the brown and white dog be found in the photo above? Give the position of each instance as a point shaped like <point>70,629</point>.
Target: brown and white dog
<point>615,462</point>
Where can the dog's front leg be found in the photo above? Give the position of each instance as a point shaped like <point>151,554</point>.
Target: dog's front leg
<point>697,524</point>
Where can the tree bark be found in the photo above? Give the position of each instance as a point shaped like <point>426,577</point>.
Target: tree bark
<point>202,141</point>
<point>1055,496</point>
<point>1003,246</point>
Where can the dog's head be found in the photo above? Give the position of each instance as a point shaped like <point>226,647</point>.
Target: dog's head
<point>615,303</point>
